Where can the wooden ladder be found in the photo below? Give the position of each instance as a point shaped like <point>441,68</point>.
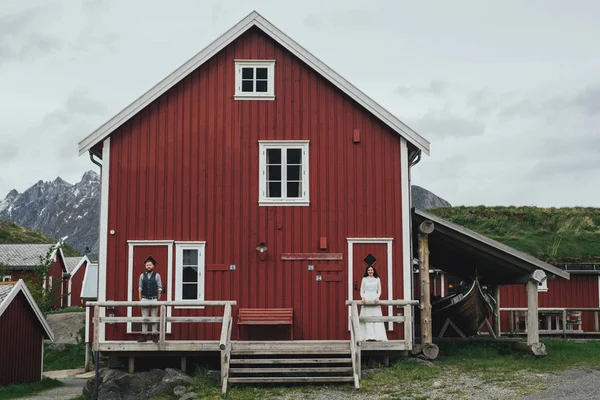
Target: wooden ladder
<point>301,363</point>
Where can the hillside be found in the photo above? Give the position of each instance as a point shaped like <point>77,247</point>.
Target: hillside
<point>11,233</point>
<point>555,235</point>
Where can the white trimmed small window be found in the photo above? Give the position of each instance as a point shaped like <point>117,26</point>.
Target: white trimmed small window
<point>189,271</point>
<point>284,173</point>
<point>254,80</point>
<point>6,278</point>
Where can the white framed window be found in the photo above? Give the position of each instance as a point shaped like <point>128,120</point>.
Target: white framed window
<point>284,172</point>
<point>7,278</point>
<point>189,271</point>
<point>254,80</point>
<point>543,287</point>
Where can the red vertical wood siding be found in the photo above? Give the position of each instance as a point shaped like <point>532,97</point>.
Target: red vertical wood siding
<point>579,291</point>
<point>21,338</point>
<point>186,168</point>
<point>76,285</point>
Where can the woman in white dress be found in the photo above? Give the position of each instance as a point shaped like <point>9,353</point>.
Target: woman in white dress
<point>370,290</point>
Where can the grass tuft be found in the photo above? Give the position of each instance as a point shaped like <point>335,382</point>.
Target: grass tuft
<point>27,389</point>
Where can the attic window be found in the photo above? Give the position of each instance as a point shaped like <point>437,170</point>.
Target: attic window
<point>254,80</point>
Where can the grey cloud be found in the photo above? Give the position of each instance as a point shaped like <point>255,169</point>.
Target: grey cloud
<point>589,100</point>
<point>19,39</point>
<point>435,87</point>
<point>440,125</point>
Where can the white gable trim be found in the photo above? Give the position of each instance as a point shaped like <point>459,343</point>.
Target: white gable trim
<point>83,259</point>
<point>21,287</point>
<point>254,19</point>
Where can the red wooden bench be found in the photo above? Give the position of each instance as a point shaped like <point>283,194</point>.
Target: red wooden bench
<point>267,316</point>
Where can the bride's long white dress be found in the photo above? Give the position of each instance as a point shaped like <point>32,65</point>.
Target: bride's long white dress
<point>370,289</point>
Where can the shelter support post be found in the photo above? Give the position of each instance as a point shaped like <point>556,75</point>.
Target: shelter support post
<point>496,314</point>
<point>533,336</point>
<point>427,347</point>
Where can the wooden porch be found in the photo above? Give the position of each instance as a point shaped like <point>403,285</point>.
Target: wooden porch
<point>244,361</point>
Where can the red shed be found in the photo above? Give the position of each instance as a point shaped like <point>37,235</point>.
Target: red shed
<point>76,268</point>
<point>23,330</point>
<point>21,259</point>
<point>255,173</point>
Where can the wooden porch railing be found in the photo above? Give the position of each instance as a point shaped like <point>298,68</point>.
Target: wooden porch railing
<point>564,325</point>
<point>163,319</point>
<point>355,319</point>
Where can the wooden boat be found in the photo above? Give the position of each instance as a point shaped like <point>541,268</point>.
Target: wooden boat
<point>467,310</point>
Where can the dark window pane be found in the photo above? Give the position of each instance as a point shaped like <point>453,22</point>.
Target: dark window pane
<point>190,292</point>
<point>274,189</point>
<point>261,86</point>
<point>294,156</point>
<point>261,73</point>
<point>273,156</point>
<point>247,86</point>
<point>293,173</point>
<point>294,189</point>
<point>247,73</point>
<point>370,259</point>
<point>274,173</point>
<point>190,274</point>
<point>190,257</point>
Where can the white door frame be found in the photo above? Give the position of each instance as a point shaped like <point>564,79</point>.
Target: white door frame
<point>388,242</point>
<point>130,279</point>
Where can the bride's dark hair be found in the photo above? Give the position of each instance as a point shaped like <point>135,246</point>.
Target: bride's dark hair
<point>375,274</point>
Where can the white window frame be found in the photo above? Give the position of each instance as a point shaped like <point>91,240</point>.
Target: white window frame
<point>543,286</point>
<point>264,145</point>
<point>7,278</point>
<point>269,94</point>
<point>179,248</point>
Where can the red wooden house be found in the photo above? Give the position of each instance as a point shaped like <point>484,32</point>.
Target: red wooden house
<point>255,173</point>
<point>76,269</point>
<point>21,259</point>
<point>23,330</point>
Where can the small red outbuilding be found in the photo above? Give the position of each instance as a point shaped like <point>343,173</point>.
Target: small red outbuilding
<point>23,330</point>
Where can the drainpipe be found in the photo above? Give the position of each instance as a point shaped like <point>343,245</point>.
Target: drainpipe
<point>413,159</point>
<point>92,154</point>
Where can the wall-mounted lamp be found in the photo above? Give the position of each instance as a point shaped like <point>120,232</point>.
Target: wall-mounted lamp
<point>262,249</point>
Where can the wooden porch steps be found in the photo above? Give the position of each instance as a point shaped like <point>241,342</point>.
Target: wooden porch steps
<point>290,362</point>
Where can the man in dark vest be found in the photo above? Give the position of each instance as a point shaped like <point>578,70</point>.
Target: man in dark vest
<point>150,291</point>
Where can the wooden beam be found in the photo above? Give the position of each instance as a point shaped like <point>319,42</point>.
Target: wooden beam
<point>533,336</point>
<point>537,276</point>
<point>176,303</point>
<point>183,363</point>
<point>162,334</point>
<point>384,303</point>
<point>311,256</point>
<point>425,229</point>
<point>131,364</point>
<point>96,327</point>
<point>496,312</point>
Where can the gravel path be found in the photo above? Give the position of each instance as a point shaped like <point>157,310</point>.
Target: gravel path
<point>73,387</point>
<point>574,384</point>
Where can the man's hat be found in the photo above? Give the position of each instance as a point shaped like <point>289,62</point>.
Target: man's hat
<point>150,259</point>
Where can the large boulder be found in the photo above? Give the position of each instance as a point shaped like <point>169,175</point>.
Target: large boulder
<point>120,385</point>
<point>66,326</point>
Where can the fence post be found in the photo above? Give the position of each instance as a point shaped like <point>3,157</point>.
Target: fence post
<point>163,327</point>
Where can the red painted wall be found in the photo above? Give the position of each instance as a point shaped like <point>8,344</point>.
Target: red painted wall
<point>21,338</point>
<point>186,169</point>
<point>76,285</point>
<point>580,291</point>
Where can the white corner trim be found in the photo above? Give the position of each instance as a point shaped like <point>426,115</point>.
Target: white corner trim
<point>253,19</point>
<point>69,289</point>
<point>103,243</point>
<point>20,286</point>
<point>390,283</point>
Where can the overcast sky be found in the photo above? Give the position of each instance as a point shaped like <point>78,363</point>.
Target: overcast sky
<point>507,92</point>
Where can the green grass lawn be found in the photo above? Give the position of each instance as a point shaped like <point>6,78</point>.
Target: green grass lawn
<point>555,235</point>
<point>27,389</point>
<point>71,357</point>
<point>482,364</point>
